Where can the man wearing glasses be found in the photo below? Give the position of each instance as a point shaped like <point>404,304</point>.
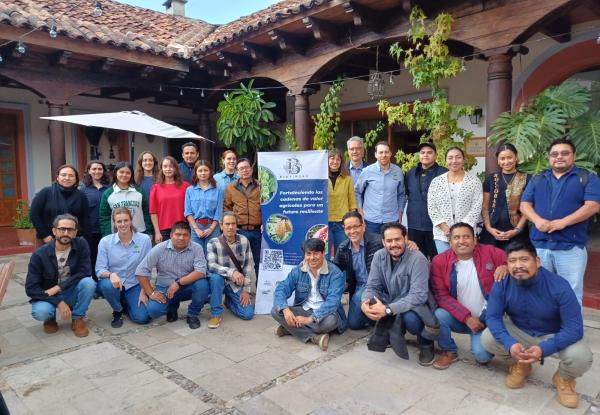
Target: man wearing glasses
<point>59,277</point>
<point>559,201</point>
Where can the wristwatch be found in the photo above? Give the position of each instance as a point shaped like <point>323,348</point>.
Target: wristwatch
<point>388,311</point>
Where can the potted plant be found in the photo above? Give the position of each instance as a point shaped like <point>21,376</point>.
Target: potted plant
<point>22,224</point>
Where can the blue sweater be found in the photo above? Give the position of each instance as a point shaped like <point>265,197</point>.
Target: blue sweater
<point>548,306</point>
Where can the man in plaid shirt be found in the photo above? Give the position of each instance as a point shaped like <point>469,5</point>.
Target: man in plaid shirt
<point>224,275</point>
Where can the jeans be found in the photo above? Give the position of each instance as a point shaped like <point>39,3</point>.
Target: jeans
<point>232,299</point>
<point>93,240</point>
<point>254,237</point>
<point>441,246</point>
<point>78,297</point>
<point>424,240</point>
<point>130,298</point>
<point>357,320</point>
<point>569,264</point>
<point>449,324</point>
<point>204,241</point>
<point>306,333</point>
<point>197,292</point>
<point>336,236</point>
<point>373,227</point>
<point>414,325</point>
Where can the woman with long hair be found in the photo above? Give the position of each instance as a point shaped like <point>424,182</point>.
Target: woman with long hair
<point>166,199</point>
<point>123,193</point>
<point>146,172</point>
<point>119,254</point>
<point>341,197</point>
<point>502,218</point>
<point>62,196</point>
<point>453,197</point>
<point>228,174</point>
<point>203,204</point>
<point>94,183</point>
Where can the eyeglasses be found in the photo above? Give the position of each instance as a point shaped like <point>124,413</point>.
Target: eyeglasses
<point>352,228</point>
<point>66,230</point>
<point>555,154</point>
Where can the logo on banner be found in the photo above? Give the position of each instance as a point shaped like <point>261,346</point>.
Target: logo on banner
<point>292,166</point>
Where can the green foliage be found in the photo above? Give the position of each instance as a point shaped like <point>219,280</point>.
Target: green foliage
<point>327,121</point>
<point>409,160</point>
<point>290,139</point>
<point>557,111</point>
<point>22,220</point>
<point>372,136</point>
<point>244,118</point>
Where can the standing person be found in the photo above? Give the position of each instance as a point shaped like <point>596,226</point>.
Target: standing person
<point>60,197</point>
<point>167,198</point>
<point>181,275</point>
<point>453,197</point>
<point>119,254</point>
<point>227,175</point>
<point>59,277</point>
<point>123,193</point>
<point>559,201</point>
<point>146,172</point>
<point>190,154</point>
<point>356,150</point>
<point>95,182</point>
<point>203,204</point>
<point>532,315</point>
<point>418,179</point>
<point>341,198</point>
<point>380,190</point>
<point>242,197</point>
<point>501,212</point>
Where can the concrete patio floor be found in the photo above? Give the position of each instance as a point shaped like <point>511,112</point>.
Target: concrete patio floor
<point>243,368</point>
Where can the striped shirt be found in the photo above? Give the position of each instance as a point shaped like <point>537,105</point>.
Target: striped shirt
<point>170,264</point>
<point>220,263</point>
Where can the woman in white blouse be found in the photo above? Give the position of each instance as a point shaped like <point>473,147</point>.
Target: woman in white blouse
<point>453,197</point>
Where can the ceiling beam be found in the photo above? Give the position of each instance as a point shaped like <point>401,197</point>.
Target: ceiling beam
<point>146,71</point>
<point>261,53</point>
<point>288,43</point>
<point>60,58</point>
<point>363,16</point>
<point>103,65</point>
<point>235,61</point>
<point>323,30</point>
<point>559,30</point>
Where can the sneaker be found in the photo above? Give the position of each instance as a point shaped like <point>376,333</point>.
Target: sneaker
<point>517,375</point>
<point>426,354</point>
<point>79,327</point>
<point>282,331</point>
<point>445,360</point>
<point>193,322</point>
<point>172,316</point>
<point>565,391</point>
<point>321,340</point>
<point>214,322</point>
<point>50,326</point>
<point>117,320</point>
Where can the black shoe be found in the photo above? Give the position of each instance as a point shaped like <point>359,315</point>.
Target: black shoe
<point>193,322</point>
<point>426,354</point>
<point>117,320</point>
<point>172,316</point>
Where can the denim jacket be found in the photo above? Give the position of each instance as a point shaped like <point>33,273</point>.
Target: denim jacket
<point>331,288</point>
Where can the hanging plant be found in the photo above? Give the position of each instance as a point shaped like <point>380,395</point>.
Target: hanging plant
<point>327,120</point>
<point>290,139</point>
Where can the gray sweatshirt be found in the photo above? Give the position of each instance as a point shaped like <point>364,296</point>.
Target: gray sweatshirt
<point>402,288</point>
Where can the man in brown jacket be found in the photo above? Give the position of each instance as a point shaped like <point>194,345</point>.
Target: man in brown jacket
<point>242,197</point>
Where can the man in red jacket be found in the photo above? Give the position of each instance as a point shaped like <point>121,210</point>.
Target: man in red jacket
<point>461,280</point>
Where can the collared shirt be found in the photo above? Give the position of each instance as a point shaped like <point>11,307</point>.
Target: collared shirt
<point>204,203</point>
<point>358,264</point>
<point>355,171</point>
<point>220,263</point>
<point>186,171</point>
<point>381,194</point>
<point>171,264</point>
<point>123,260</point>
<point>223,179</point>
<point>315,299</point>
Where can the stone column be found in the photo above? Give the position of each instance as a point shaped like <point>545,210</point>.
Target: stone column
<point>499,91</point>
<point>205,131</point>
<point>301,122</point>
<point>56,135</point>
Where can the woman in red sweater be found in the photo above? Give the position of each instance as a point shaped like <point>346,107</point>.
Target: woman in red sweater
<point>167,196</point>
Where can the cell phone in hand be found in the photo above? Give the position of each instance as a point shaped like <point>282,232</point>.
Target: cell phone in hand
<point>372,301</point>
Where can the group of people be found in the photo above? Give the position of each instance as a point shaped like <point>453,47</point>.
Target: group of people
<point>516,289</point>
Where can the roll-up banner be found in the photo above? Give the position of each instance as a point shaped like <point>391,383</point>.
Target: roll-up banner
<point>293,199</point>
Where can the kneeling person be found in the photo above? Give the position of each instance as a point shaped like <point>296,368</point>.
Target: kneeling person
<point>181,276</point>
<point>59,277</point>
<point>318,286</point>
<point>534,314</point>
<point>231,270</point>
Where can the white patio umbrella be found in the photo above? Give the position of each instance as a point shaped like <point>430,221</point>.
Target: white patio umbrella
<point>134,121</point>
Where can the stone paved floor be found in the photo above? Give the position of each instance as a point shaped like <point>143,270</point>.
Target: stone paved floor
<point>243,368</point>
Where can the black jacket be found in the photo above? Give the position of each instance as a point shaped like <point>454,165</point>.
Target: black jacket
<point>416,208</point>
<point>42,272</point>
<point>343,258</point>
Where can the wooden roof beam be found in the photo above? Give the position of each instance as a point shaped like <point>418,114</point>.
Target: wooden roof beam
<point>261,53</point>
<point>323,30</point>
<point>215,70</point>
<point>60,58</point>
<point>103,65</point>
<point>178,77</point>
<point>287,42</point>
<point>559,30</point>
<point>363,16</point>
<point>146,71</point>
<point>235,61</point>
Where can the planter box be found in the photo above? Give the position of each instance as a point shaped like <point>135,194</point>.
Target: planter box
<point>26,237</point>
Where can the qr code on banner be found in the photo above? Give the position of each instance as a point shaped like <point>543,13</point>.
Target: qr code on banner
<point>273,259</point>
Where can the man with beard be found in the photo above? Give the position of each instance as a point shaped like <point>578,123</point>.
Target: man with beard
<point>534,314</point>
<point>190,155</point>
<point>59,277</point>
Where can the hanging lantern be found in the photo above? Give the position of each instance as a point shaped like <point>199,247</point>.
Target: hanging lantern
<point>376,86</point>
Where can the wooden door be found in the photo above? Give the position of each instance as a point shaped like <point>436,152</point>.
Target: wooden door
<point>9,168</point>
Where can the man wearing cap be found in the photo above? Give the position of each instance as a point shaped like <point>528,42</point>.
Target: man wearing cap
<point>417,181</point>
